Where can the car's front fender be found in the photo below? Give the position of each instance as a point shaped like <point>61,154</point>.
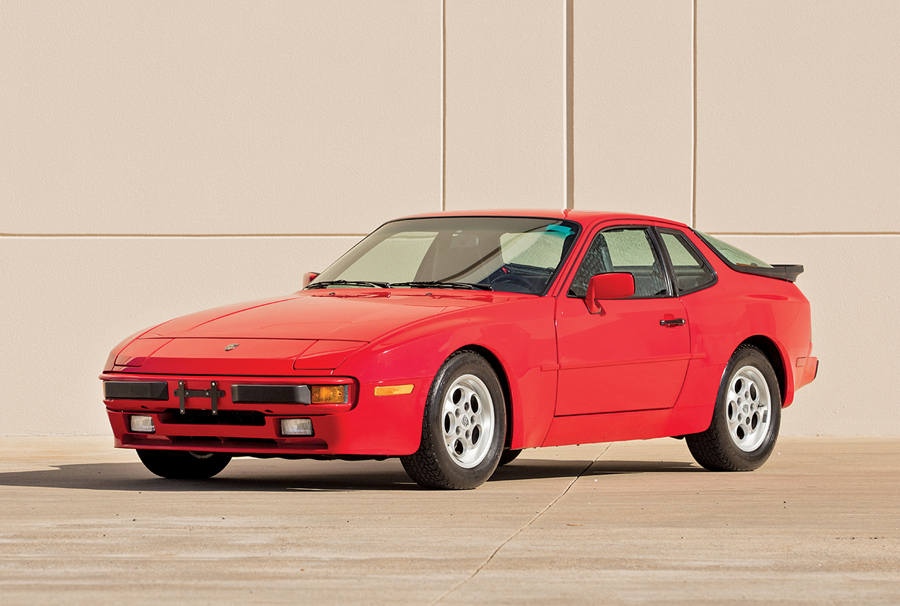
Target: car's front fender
<point>519,334</point>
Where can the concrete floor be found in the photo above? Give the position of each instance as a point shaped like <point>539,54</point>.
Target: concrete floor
<point>637,522</point>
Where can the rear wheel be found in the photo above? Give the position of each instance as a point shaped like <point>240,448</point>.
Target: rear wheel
<point>184,464</point>
<point>463,428</point>
<point>746,419</point>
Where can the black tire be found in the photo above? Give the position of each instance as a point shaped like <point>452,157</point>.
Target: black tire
<point>509,456</point>
<point>183,464</point>
<point>743,431</point>
<point>463,428</point>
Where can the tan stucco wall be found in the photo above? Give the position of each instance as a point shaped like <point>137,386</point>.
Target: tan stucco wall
<point>160,158</point>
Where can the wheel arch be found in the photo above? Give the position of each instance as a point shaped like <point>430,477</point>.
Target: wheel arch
<point>769,349</point>
<point>497,366</point>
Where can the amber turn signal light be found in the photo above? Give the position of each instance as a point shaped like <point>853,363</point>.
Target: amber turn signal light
<point>393,390</point>
<point>328,394</point>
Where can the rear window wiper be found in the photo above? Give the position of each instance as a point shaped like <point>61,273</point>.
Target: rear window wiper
<point>438,284</point>
<point>328,283</point>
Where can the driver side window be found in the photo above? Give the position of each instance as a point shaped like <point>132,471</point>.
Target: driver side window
<point>628,250</point>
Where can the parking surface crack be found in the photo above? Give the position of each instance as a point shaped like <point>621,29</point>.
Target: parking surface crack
<point>519,531</point>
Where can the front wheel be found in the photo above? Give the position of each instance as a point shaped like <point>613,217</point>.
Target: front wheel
<point>746,419</point>
<point>509,456</point>
<point>464,426</point>
<point>184,464</point>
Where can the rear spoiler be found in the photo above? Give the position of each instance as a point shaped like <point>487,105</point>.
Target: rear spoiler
<point>781,272</point>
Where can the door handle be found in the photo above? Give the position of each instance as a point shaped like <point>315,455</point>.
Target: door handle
<point>669,323</point>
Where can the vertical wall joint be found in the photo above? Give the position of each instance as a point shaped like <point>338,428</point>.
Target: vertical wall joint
<point>694,120</point>
<point>570,106</point>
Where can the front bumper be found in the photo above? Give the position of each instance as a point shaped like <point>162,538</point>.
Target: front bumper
<point>367,425</point>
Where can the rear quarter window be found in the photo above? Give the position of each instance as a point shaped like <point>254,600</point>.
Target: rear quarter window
<point>731,253</point>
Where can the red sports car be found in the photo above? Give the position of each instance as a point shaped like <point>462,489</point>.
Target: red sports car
<point>453,341</point>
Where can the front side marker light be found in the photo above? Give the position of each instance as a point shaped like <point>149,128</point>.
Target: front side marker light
<point>393,390</point>
<point>328,394</point>
<point>296,427</point>
<point>142,424</point>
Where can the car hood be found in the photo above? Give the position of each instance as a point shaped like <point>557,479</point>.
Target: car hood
<point>343,315</point>
<point>308,331</point>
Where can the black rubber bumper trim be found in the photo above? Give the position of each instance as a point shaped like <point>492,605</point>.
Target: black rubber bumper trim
<point>136,390</point>
<point>270,394</point>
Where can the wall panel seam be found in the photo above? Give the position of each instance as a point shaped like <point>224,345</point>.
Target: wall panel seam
<point>360,235</point>
<point>443,105</point>
<point>570,103</point>
<point>804,233</point>
<point>694,118</point>
<point>186,236</point>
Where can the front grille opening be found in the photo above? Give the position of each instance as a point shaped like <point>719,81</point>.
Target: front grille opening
<point>248,444</point>
<point>251,418</point>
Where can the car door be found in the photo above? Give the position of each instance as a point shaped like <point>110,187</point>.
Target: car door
<point>634,353</point>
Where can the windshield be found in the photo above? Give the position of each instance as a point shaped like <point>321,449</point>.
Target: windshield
<point>511,254</point>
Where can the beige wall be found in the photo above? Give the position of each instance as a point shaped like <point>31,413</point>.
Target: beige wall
<point>633,124</point>
<point>798,160</point>
<point>160,158</point>
<point>798,116</point>
<point>505,104</point>
<point>218,117</point>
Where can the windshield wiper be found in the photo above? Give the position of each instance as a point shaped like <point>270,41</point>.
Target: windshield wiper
<point>329,283</point>
<point>438,284</point>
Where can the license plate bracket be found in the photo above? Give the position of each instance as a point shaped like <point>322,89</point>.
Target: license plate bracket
<point>213,393</point>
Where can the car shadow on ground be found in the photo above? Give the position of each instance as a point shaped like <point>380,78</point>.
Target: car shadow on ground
<point>330,476</point>
<point>542,468</point>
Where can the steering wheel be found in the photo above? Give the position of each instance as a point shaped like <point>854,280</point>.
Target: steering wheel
<point>516,282</point>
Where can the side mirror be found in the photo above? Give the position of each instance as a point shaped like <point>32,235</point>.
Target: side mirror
<point>309,277</point>
<point>608,286</point>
